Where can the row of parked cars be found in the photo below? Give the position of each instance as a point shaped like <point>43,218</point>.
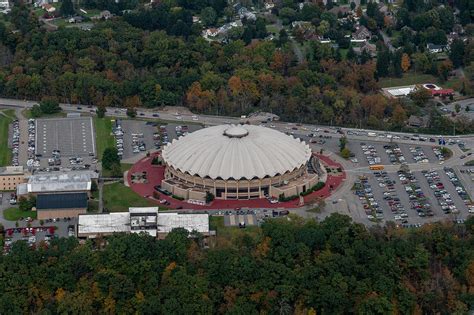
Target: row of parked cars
<point>33,159</point>
<point>395,154</point>
<point>454,179</point>
<point>418,200</point>
<point>15,142</point>
<point>442,196</point>
<point>419,155</point>
<point>391,197</point>
<point>138,143</point>
<point>364,191</point>
<point>370,153</point>
<point>118,134</point>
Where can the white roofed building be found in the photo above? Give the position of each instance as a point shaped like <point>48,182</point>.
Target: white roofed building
<point>237,162</point>
<point>55,182</point>
<point>140,220</point>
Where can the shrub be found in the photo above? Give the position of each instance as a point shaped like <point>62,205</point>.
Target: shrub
<point>177,197</point>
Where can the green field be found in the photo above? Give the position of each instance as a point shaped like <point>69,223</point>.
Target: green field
<point>103,134</point>
<point>6,118</point>
<point>216,223</point>
<point>118,198</point>
<point>14,214</point>
<point>408,79</point>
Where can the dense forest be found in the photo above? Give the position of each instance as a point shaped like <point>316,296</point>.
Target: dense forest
<point>287,267</point>
<point>156,56</point>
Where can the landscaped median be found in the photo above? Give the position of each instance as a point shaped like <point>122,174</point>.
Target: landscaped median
<point>103,135</point>
<point>6,118</point>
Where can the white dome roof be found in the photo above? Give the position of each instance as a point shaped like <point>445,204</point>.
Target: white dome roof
<point>236,152</point>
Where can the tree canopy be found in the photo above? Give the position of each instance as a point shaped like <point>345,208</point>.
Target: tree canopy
<point>332,267</point>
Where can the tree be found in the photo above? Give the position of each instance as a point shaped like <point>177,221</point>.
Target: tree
<point>67,8</point>
<point>420,96</point>
<point>342,143</point>
<point>456,52</point>
<point>110,158</point>
<point>35,111</point>
<point>383,62</point>
<point>49,107</point>
<point>101,110</point>
<point>209,197</point>
<point>353,5</point>
<point>351,55</point>
<point>283,37</point>
<point>208,16</point>
<point>467,109</point>
<point>444,68</point>
<point>457,108</point>
<point>345,153</point>
<point>405,62</point>
<point>131,112</point>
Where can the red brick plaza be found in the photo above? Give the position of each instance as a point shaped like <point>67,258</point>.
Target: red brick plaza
<point>155,175</point>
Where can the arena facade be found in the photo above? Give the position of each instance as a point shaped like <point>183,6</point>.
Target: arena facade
<point>239,162</point>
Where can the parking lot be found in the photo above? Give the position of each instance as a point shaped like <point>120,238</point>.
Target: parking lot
<point>141,136</point>
<point>71,136</point>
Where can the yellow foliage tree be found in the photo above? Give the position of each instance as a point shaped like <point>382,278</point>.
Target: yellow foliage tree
<point>405,62</point>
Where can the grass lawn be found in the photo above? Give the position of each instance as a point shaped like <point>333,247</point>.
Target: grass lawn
<point>103,134</point>
<point>225,233</point>
<point>118,198</point>
<point>124,167</point>
<point>272,29</point>
<point>5,151</point>
<point>14,214</point>
<point>408,79</point>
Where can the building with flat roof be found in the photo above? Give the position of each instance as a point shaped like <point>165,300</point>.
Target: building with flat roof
<point>142,219</point>
<point>51,206</point>
<point>11,177</point>
<point>58,182</point>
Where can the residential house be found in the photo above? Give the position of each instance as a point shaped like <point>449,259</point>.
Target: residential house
<point>341,11</point>
<point>269,5</point>
<point>434,49</point>
<point>362,33</point>
<point>48,8</point>
<point>211,32</point>
<point>418,121</point>
<point>369,48</point>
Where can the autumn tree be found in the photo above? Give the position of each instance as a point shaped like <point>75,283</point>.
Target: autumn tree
<point>405,62</point>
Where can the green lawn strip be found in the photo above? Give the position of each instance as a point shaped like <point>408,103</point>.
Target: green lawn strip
<point>103,134</point>
<point>5,151</point>
<point>408,79</point>
<point>14,214</point>
<point>118,198</point>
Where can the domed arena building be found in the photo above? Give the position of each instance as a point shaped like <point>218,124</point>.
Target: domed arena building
<point>238,162</point>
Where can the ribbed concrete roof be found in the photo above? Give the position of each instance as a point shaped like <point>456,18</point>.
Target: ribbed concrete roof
<point>236,152</point>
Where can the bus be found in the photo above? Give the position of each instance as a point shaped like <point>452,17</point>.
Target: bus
<point>376,167</point>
